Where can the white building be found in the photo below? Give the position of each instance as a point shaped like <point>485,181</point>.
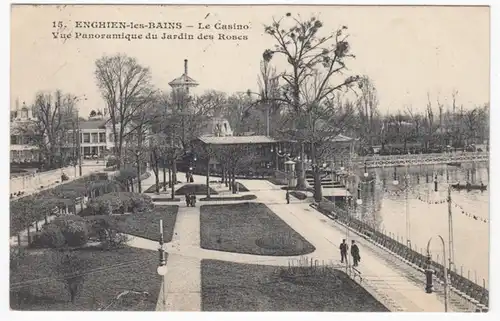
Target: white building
<point>21,150</point>
<point>96,138</point>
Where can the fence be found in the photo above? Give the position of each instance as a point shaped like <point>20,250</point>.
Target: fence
<point>37,181</point>
<point>470,290</point>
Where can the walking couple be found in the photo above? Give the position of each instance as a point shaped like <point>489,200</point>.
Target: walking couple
<point>344,247</point>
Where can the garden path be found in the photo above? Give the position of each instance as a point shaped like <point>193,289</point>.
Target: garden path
<point>387,282</point>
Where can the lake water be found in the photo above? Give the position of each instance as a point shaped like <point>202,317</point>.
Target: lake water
<point>384,206</point>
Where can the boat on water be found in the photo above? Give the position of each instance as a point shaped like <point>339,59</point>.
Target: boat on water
<point>469,187</point>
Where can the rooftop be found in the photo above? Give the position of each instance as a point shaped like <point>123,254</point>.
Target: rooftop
<point>221,140</point>
<point>183,80</point>
<point>93,124</point>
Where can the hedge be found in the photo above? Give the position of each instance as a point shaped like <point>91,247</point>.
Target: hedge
<point>119,202</point>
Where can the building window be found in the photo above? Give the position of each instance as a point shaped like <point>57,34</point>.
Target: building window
<point>94,138</point>
<point>86,151</point>
<point>13,139</point>
<point>102,137</point>
<point>111,137</point>
<point>94,150</point>
<point>86,137</point>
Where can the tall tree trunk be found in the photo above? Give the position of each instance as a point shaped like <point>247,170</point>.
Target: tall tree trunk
<point>139,185</point>
<point>170,176</point>
<point>172,184</point>
<point>318,192</point>
<point>132,185</point>
<point>301,177</point>
<point>29,235</point>
<point>164,176</point>
<point>208,178</point>
<point>233,181</point>
<point>174,172</point>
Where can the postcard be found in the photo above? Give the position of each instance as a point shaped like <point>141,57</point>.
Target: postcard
<point>249,158</point>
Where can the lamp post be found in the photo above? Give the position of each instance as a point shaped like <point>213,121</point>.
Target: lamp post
<point>162,267</point>
<point>289,168</point>
<point>429,272</point>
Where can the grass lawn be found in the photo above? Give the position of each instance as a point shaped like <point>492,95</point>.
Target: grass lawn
<point>165,199</point>
<point>147,225</point>
<point>230,198</point>
<point>198,189</point>
<point>152,188</point>
<point>108,274</point>
<point>241,187</point>
<point>298,195</point>
<point>250,228</point>
<point>276,181</point>
<point>228,286</point>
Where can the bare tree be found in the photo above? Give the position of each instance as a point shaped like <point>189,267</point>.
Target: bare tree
<point>53,113</point>
<point>315,62</point>
<point>126,88</point>
<point>367,105</point>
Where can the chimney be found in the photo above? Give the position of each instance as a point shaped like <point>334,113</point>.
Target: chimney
<point>185,67</point>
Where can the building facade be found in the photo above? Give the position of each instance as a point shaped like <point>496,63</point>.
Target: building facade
<point>21,149</point>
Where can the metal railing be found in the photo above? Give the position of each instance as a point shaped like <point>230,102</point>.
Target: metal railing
<point>418,159</point>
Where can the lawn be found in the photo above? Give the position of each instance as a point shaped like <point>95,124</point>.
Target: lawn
<point>198,189</point>
<point>108,274</point>
<point>250,228</point>
<point>241,187</point>
<point>298,195</point>
<point>147,224</point>
<point>228,286</point>
<point>165,199</point>
<point>230,198</point>
<point>152,188</point>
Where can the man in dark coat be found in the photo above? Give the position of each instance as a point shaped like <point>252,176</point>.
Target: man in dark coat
<point>343,251</point>
<point>355,253</point>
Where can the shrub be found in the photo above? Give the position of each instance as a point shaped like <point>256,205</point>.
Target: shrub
<point>120,202</point>
<point>140,203</point>
<point>106,229</point>
<point>64,177</point>
<point>68,230</point>
<point>50,236</point>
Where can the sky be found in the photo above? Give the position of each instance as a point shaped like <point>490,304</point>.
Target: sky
<point>406,51</point>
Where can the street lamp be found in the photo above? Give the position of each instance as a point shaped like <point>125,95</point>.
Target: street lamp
<point>429,272</point>
<point>162,267</point>
<point>366,171</point>
<point>359,201</point>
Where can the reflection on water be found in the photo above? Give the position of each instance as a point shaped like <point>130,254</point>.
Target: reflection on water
<point>385,207</point>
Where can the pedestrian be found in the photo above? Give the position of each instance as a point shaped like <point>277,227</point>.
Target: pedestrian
<point>355,253</point>
<point>187,177</point>
<point>343,251</point>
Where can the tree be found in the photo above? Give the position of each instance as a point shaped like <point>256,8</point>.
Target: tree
<point>367,106</point>
<point>52,113</point>
<point>70,269</point>
<point>126,87</point>
<point>234,159</point>
<point>316,71</point>
<point>92,113</point>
